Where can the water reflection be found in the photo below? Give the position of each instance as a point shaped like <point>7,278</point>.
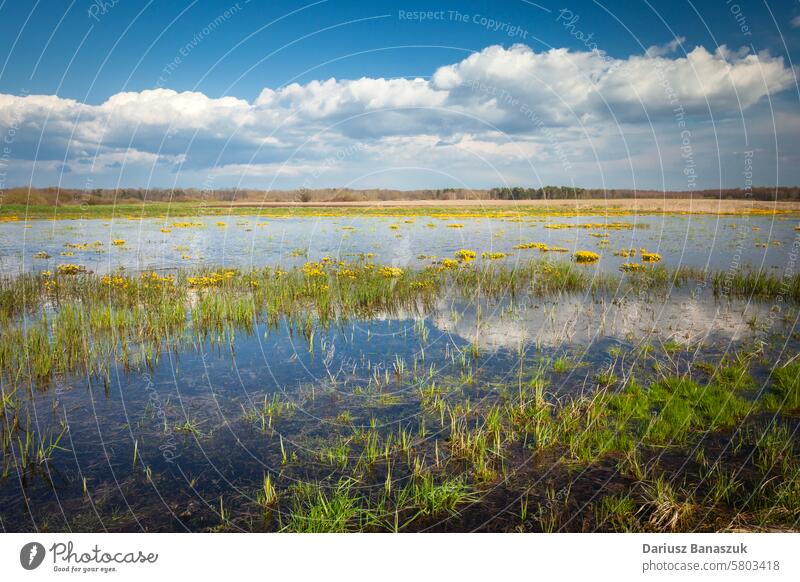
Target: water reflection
<point>711,242</point>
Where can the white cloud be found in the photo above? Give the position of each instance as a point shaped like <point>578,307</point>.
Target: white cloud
<point>665,49</point>
<point>564,86</point>
<point>500,107</point>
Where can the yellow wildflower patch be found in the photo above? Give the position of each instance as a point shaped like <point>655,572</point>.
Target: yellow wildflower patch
<point>630,267</point>
<point>391,272</point>
<point>84,246</point>
<point>312,269</point>
<point>466,255</point>
<point>70,269</point>
<point>586,257</point>
<point>448,264</point>
<point>650,257</point>
<point>156,279</point>
<point>116,281</point>
<point>214,279</point>
<point>593,225</point>
<point>531,245</point>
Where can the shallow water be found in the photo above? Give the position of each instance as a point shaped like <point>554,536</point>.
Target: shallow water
<point>212,384</point>
<point>713,242</point>
<point>158,449</point>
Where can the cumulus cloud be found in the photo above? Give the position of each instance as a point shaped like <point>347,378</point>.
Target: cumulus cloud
<point>497,106</point>
<point>565,86</point>
<point>665,49</point>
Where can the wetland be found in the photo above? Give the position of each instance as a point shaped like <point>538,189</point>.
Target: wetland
<point>428,371</point>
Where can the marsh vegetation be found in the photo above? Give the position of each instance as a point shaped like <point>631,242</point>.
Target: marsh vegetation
<point>341,393</point>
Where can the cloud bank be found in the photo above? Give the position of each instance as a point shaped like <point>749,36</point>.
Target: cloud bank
<point>501,115</point>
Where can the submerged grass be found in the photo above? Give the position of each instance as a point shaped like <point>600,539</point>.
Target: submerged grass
<point>465,455</point>
<point>644,430</point>
<point>62,323</point>
<point>748,283</point>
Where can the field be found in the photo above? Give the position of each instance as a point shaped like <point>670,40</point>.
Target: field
<point>448,367</point>
<point>487,208</point>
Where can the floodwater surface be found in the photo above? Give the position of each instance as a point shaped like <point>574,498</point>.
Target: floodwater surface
<point>363,407</point>
<point>704,241</point>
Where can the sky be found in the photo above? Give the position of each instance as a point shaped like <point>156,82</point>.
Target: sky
<point>408,95</point>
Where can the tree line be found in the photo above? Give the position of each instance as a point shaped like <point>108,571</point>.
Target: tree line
<point>54,196</point>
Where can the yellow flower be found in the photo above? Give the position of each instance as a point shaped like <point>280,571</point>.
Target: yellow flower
<point>630,267</point>
<point>492,256</point>
<point>466,255</point>
<point>70,269</point>
<point>214,279</point>
<point>650,257</point>
<point>156,279</point>
<point>114,281</point>
<point>593,225</point>
<point>83,246</point>
<point>449,264</point>
<point>117,242</point>
<point>391,272</point>
<point>586,257</point>
<point>532,245</point>
<point>312,269</point>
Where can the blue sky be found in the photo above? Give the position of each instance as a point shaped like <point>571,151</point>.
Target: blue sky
<point>258,94</point>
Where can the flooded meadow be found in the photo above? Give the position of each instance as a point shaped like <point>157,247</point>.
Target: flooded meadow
<point>342,372</point>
